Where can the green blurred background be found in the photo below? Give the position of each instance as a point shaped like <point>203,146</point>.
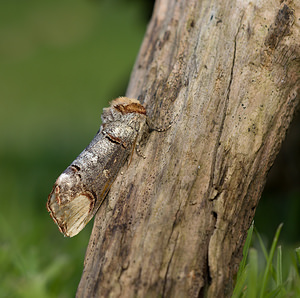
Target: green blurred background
<point>61,61</point>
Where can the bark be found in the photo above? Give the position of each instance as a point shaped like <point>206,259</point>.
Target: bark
<point>226,75</point>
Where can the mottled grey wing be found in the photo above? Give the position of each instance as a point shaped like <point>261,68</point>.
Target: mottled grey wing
<point>81,188</point>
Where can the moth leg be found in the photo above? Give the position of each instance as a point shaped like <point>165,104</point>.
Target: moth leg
<point>156,128</point>
<point>132,150</point>
<point>138,151</point>
<point>136,147</point>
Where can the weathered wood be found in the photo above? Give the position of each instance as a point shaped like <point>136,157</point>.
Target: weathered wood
<point>174,224</point>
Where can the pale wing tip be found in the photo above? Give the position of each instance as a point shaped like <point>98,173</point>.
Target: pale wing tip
<point>70,217</point>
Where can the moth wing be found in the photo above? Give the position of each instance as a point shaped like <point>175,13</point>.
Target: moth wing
<point>72,215</point>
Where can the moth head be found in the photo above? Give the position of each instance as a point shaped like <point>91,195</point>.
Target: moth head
<point>126,105</point>
<point>70,208</point>
<point>123,109</point>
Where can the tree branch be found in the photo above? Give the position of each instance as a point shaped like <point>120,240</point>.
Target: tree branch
<point>226,74</point>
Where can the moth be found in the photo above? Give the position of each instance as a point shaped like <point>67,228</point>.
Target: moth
<point>79,191</point>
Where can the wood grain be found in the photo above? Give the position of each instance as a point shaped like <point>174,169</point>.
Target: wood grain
<point>226,74</point>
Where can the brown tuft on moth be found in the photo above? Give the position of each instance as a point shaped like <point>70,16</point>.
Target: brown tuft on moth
<point>79,191</point>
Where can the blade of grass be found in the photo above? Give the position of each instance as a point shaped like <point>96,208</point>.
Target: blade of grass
<point>279,274</point>
<point>262,245</point>
<point>269,261</point>
<point>252,287</point>
<point>265,252</point>
<point>240,284</point>
<point>297,251</point>
<point>279,267</point>
<point>273,293</point>
<point>245,250</point>
<point>242,273</point>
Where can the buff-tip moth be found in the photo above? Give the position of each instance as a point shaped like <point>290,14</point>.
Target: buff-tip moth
<point>79,191</point>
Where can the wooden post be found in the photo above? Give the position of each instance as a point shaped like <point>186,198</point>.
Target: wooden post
<point>226,75</point>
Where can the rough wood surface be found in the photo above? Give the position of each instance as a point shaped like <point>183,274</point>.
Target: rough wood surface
<point>174,224</point>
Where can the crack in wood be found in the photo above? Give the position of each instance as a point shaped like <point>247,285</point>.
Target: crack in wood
<point>217,143</point>
<point>169,264</point>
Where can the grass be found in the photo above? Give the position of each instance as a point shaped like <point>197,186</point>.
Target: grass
<point>264,273</point>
